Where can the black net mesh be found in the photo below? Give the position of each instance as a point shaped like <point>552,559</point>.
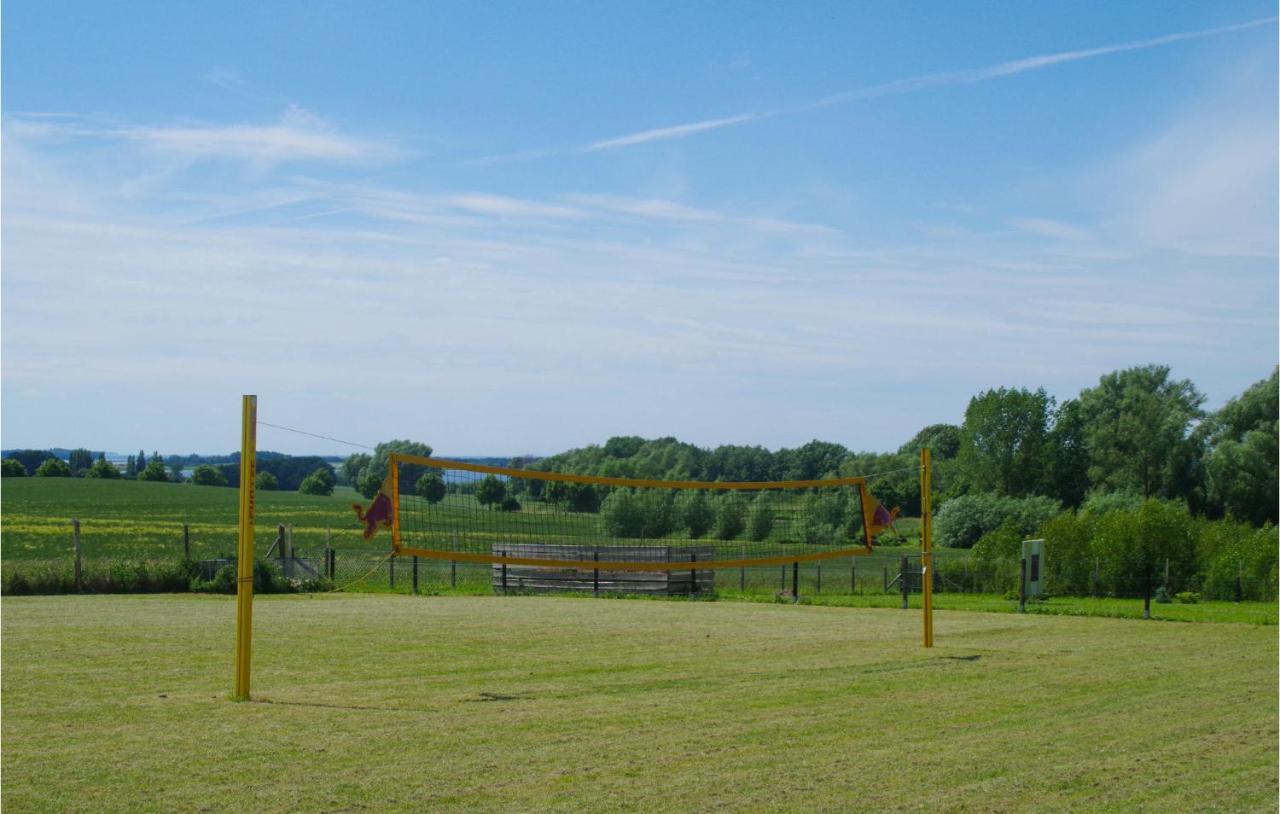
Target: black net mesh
<point>509,515</point>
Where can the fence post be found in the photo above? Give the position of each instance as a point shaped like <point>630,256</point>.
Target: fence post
<point>186,541</point>
<point>1146,592</point>
<point>1166,574</point>
<point>391,572</point>
<point>415,576</point>
<point>853,575</point>
<point>795,581</point>
<point>885,589</point>
<point>782,587</point>
<point>1022,585</point>
<point>595,573</point>
<point>742,570</point>
<point>453,567</point>
<point>504,573</point>
<point>75,543</point>
<point>904,580</point>
<point>693,573</point>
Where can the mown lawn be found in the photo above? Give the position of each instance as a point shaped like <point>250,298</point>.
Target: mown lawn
<point>395,703</point>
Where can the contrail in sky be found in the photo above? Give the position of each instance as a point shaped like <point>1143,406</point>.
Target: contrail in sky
<point>918,83</point>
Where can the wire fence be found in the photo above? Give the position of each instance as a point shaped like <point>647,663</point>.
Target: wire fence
<point>322,560</point>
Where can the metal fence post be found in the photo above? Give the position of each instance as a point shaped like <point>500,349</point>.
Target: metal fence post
<point>1022,585</point>
<point>904,580</point>
<point>75,542</point>
<point>415,576</point>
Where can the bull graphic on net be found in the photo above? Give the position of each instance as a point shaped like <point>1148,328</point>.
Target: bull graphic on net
<point>378,514</point>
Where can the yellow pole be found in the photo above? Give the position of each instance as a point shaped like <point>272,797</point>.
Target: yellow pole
<point>926,542</point>
<point>244,553</point>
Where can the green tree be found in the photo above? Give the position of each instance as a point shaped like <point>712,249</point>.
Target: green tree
<point>319,482</point>
<point>760,517</point>
<point>431,487</point>
<point>1068,474</point>
<point>375,471</point>
<point>621,514</point>
<point>53,468</point>
<point>104,469</point>
<point>154,471</point>
<point>1004,442</point>
<point>79,460</point>
<point>1136,430</point>
<point>731,516</point>
<point>943,440</point>
<point>509,504</point>
<point>963,520</point>
<point>491,491</point>
<point>131,468</point>
<point>352,468</point>
<point>696,512</point>
<point>263,481</point>
<point>12,468</point>
<point>1243,457</point>
<point>206,475</point>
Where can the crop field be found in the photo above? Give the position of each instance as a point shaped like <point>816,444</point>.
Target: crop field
<point>397,703</point>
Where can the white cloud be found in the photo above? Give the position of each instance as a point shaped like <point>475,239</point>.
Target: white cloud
<point>1047,227</point>
<point>299,136</point>
<point>1207,186</point>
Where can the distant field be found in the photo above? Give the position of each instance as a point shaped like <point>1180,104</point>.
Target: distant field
<point>391,703</point>
<point>131,519</point>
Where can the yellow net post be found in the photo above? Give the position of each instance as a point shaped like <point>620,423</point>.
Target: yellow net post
<point>244,552</point>
<point>926,543</point>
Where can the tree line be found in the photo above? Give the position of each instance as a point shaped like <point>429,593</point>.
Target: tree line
<point>1138,432</point>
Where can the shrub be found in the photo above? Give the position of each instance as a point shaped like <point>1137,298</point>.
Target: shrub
<point>155,471</point>
<point>263,481</point>
<point>963,520</point>
<point>509,504</point>
<point>760,517</point>
<point>12,468</point>
<point>319,482</point>
<point>731,515</point>
<point>695,513</point>
<point>53,468</point>
<point>1187,597</point>
<point>104,470</point>
<point>491,491</point>
<point>205,475</point>
<point>1099,503</point>
<point>628,513</point>
<point>431,487</point>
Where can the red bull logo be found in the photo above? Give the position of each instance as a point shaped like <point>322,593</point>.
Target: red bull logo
<point>878,518</point>
<point>378,514</point>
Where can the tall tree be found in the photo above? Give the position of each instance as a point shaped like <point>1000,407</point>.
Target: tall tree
<point>1004,441</point>
<point>1068,477</point>
<point>1136,430</point>
<point>1243,458</point>
<point>80,460</point>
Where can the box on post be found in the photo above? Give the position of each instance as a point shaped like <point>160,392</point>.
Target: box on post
<point>1033,553</point>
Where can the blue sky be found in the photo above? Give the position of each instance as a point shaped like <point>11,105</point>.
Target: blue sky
<point>506,228</point>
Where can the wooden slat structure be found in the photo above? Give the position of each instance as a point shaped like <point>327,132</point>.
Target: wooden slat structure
<point>527,578</point>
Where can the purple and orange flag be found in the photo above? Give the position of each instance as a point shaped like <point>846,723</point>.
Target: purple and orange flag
<point>875,517</point>
<point>379,511</point>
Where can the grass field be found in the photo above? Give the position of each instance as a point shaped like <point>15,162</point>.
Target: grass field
<point>389,703</point>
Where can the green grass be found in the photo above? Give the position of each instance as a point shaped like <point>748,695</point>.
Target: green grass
<point>387,703</point>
